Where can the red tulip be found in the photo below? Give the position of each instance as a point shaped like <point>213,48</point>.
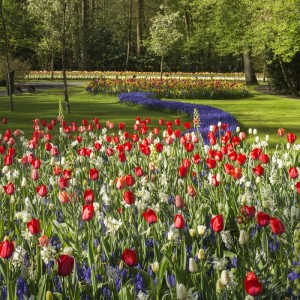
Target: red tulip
<point>264,158</point>
<point>182,171</point>
<point>36,164</point>
<point>211,163</point>
<point>150,216</point>
<point>34,226</point>
<point>9,189</point>
<point>297,186</point>
<point>262,219</point>
<point>277,226</point>
<point>258,170</point>
<point>129,197</point>
<point>189,147</point>
<point>87,212</point>
<point>138,171</point>
<point>65,265</point>
<point>197,159</point>
<point>4,120</point>
<point>43,241</point>
<point>291,137</point>
<point>63,183</point>
<point>129,257</point>
<point>42,190</point>
<point>228,168</point>
<point>293,172</point>
<point>94,174</point>
<point>248,211</point>
<point>255,153</point>
<point>8,160</point>
<point>89,196</point>
<point>241,158</point>
<point>252,285</point>
<point>129,180</point>
<point>179,221</point>
<point>6,249</point>
<point>217,223</point>
<point>35,174</point>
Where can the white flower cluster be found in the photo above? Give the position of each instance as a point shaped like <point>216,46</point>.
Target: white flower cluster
<point>227,239</point>
<point>18,257</point>
<point>47,253</point>
<point>112,225</point>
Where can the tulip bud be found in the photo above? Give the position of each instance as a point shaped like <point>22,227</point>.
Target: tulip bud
<point>238,129</point>
<point>111,183</point>
<point>24,182</point>
<point>255,131</point>
<point>121,265</point>
<point>267,138</point>
<point>192,265</point>
<point>219,286</point>
<point>248,184</point>
<point>174,257</point>
<point>288,146</point>
<point>250,130</point>
<point>256,139</point>
<point>179,202</point>
<point>257,179</point>
<point>181,293</point>
<point>225,279</point>
<point>201,254</point>
<point>68,251</point>
<point>63,161</point>
<point>201,229</point>
<point>53,161</point>
<point>24,273</point>
<point>192,232</point>
<point>220,207</point>
<point>49,295</point>
<point>5,169</point>
<point>155,267</point>
<point>219,124</point>
<point>244,237</point>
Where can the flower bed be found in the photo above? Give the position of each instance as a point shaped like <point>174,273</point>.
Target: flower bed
<point>92,213</point>
<point>171,88</point>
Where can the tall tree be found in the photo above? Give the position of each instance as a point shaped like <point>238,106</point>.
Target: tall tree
<point>7,51</point>
<point>84,35</point>
<point>164,34</point>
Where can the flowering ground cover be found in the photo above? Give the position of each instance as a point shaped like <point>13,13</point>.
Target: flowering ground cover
<point>171,88</point>
<point>94,213</point>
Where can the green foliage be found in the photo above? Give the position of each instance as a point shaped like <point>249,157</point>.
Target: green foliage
<point>276,78</point>
<point>164,33</point>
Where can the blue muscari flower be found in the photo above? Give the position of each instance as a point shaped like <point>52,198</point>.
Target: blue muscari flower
<point>138,283</point>
<point>4,293</point>
<point>292,276</point>
<point>22,288</point>
<point>103,226</point>
<point>106,293</point>
<point>234,261</point>
<point>149,243</point>
<point>171,199</point>
<point>274,247</point>
<point>171,280</point>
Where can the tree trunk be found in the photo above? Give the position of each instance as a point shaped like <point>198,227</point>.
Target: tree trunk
<point>287,79</point>
<point>139,27</point>
<point>52,64</point>
<point>9,83</point>
<point>250,76</point>
<point>161,66</point>
<point>84,31</point>
<point>129,34</point>
<point>66,95</point>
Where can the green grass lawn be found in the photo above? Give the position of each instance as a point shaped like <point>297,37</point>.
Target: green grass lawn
<point>264,112</point>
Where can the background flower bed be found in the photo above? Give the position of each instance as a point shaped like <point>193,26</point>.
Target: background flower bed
<point>147,214</point>
<point>171,88</point>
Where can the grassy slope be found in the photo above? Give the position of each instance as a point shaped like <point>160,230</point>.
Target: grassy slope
<point>264,112</point>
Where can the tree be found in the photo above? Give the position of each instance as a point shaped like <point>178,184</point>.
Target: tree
<point>55,16</point>
<point>9,77</point>
<point>164,34</point>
